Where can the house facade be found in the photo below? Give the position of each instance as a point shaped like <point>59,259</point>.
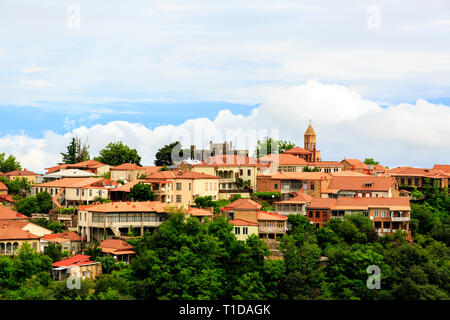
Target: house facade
<point>29,175</point>
<point>361,186</point>
<point>128,172</point>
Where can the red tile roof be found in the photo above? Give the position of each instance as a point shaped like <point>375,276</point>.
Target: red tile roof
<point>442,167</point>
<point>297,151</point>
<point>68,235</point>
<point>419,172</point>
<point>300,198</point>
<point>179,174</point>
<point>239,222</point>
<point>128,166</point>
<point>300,175</point>
<point>77,183</point>
<point>347,203</point>
<point>88,164</point>
<point>12,231</point>
<point>77,260</point>
<point>9,214</point>
<point>23,172</point>
<point>151,169</point>
<point>283,159</point>
<point>242,204</point>
<point>148,206</point>
<point>358,183</point>
<point>263,215</point>
<point>3,187</point>
<point>199,212</point>
<point>7,198</point>
<point>116,246</point>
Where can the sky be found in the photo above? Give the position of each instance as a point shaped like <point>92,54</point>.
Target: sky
<point>372,76</point>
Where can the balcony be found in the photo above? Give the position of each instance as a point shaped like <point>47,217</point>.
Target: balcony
<point>394,219</point>
<point>263,229</point>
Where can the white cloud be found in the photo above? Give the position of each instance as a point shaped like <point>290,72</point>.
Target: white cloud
<point>36,83</point>
<point>347,125</point>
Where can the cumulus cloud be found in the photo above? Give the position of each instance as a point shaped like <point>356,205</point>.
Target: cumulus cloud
<point>347,125</point>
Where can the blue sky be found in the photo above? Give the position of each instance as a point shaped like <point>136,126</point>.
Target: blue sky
<point>111,69</point>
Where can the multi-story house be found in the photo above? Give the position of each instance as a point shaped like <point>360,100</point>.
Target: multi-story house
<point>291,183</point>
<point>282,163</point>
<point>98,222</point>
<point>176,188</point>
<point>71,192</point>
<point>361,186</point>
<point>229,168</point>
<point>128,172</point>
<point>93,166</point>
<point>326,166</point>
<point>216,149</point>
<point>295,205</point>
<point>387,214</point>
<point>246,215</point>
<point>356,165</point>
<point>29,175</point>
<point>410,177</point>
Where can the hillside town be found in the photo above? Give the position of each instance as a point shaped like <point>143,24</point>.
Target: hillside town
<point>90,208</point>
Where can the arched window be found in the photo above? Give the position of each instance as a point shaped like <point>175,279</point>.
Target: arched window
<point>15,246</point>
<point>8,248</point>
<point>2,248</point>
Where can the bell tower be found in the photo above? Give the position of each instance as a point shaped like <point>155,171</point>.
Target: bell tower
<point>310,143</point>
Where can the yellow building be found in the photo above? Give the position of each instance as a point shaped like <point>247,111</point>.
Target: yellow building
<point>229,168</point>
<point>127,172</point>
<point>31,176</point>
<point>12,237</point>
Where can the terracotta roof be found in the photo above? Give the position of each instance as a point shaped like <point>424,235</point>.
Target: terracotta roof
<point>3,187</point>
<point>347,203</point>
<point>116,244</point>
<point>151,169</point>
<point>23,172</point>
<point>12,231</point>
<point>199,212</point>
<point>9,214</point>
<point>76,183</point>
<point>89,164</point>
<point>68,235</point>
<point>300,175</point>
<point>326,164</point>
<point>239,222</point>
<point>349,173</point>
<point>7,198</point>
<point>179,174</point>
<point>77,260</point>
<point>127,186</point>
<point>148,206</point>
<point>442,167</point>
<point>128,166</point>
<point>297,150</point>
<point>242,204</point>
<point>283,159</point>
<point>358,183</point>
<point>356,164</point>
<point>262,215</point>
<point>419,172</point>
<point>300,198</point>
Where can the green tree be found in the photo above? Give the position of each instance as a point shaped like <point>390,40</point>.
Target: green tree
<point>141,192</point>
<point>204,202</point>
<point>27,206</point>
<point>55,226</point>
<point>77,151</point>
<point>271,146</point>
<point>54,251</point>
<point>308,169</point>
<point>164,154</point>
<point>8,164</point>
<point>116,153</point>
<point>44,200</point>
<point>370,161</point>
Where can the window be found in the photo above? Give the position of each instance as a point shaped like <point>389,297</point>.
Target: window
<point>90,193</point>
<point>402,181</point>
<point>376,214</point>
<point>310,214</point>
<point>82,192</point>
<point>190,186</point>
<point>178,186</point>
<point>416,181</point>
<point>178,197</point>
<point>409,181</point>
<point>241,172</point>
<point>249,172</point>
<point>229,186</point>
<point>383,213</point>
<point>366,213</point>
<point>224,185</point>
<point>99,193</point>
<point>245,230</point>
<point>317,214</point>
<point>275,186</point>
<point>78,192</point>
<point>312,185</point>
<point>237,230</point>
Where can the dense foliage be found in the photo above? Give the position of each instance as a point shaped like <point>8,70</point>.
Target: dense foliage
<point>270,146</point>
<point>116,153</point>
<point>77,151</point>
<point>9,164</point>
<point>40,203</point>
<point>141,192</point>
<point>164,154</point>
<point>17,185</point>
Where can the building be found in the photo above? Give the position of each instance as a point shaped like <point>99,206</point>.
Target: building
<point>115,219</point>
<point>31,176</point>
<point>291,183</point>
<point>7,213</point>
<point>356,165</point>
<point>229,168</point>
<point>120,250</point>
<point>408,177</point>
<point>361,186</point>
<point>387,214</point>
<point>70,241</point>
<point>246,214</point>
<point>200,213</point>
<point>13,236</point>
<point>67,173</point>
<point>3,189</point>
<point>216,149</point>
<point>79,266</point>
<point>282,162</point>
<point>295,205</point>
<point>326,166</point>
<point>310,144</point>
<point>71,192</point>
<point>128,172</point>
<point>93,166</point>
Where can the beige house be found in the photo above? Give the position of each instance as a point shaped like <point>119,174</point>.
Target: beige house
<point>128,172</point>
<point>31,176</point>
<point>229,168</point>
<point>175,188</point>
<point>104,221</point>
<point>79,266</point>
<point>71,192</point>
<point>360,186</point>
